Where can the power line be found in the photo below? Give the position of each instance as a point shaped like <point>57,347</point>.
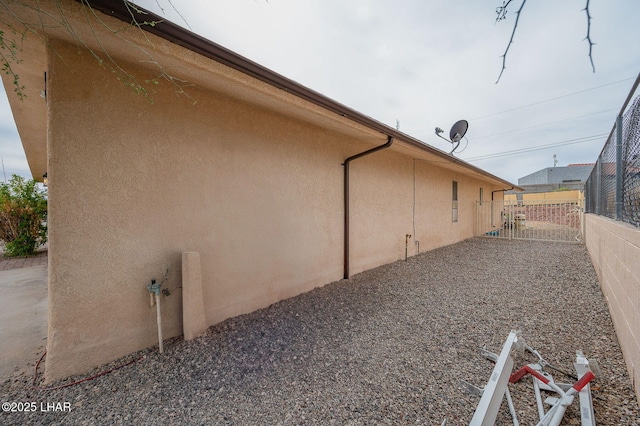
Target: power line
<point>538,148</point>
<point>537,103</point>
<point>544,124</point>
<point>550,99</point>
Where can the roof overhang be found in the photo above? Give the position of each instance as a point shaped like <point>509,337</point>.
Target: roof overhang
<point>30,111</point>
<point>192,58</point>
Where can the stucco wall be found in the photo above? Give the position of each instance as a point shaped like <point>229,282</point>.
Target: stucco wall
<point>394,195</point>
<point>614,248</point>
<point>259,195</point>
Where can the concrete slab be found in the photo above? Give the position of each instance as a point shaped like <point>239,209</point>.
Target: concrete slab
<point>23,318</point>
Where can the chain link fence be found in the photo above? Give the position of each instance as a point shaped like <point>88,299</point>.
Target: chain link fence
<point>613,188</point>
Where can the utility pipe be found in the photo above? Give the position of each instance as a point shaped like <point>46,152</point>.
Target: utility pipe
<point>346,198</point>
<point>160,339</point>
<point>155,288</point>
<point>406,246</point>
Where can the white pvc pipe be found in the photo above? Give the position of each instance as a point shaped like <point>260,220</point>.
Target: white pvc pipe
<point>536,388</point>
<point>159,323</point>
<point>512,408</point>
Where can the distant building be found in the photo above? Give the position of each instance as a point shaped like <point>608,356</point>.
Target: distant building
<point>572,176</point>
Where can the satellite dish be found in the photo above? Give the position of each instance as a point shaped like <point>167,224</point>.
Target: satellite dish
<point>458,130</point>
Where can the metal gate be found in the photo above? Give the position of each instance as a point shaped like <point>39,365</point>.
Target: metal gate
<point>543,219</point>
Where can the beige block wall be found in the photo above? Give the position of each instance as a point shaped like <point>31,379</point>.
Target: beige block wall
<point>614,248</point>
<point>133,184</point>
<point>547,196</point>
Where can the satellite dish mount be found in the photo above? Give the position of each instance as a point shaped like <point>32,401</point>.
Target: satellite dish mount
<point>457,132</point>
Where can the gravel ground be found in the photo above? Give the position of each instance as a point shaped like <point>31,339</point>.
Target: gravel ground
<point>390,346</point>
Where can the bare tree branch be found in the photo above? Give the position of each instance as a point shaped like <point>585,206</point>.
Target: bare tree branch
<point>10,46</point>
<point>179,14</point>
<point>502,11</point>
<point>175,10</point>
<point>588,37</point>
<point>125,76</point>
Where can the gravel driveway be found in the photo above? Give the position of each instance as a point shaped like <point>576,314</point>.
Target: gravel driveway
<point>390,346</point>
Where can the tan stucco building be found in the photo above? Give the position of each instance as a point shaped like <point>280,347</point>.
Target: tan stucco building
<point>248,170</point>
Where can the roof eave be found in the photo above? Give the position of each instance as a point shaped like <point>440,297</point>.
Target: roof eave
<point>198,44</point>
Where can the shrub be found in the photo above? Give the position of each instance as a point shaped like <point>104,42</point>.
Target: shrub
<point>23,215</point>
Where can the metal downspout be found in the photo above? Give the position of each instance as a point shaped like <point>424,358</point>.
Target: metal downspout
<point>501,190</point>
<point>346,198</point>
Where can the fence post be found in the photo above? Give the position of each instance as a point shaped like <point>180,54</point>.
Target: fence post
<point>619,167</point>
<point>598,186</point>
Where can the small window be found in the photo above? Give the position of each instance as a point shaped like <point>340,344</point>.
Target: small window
<point>454,199</point>
<point>481,195</point>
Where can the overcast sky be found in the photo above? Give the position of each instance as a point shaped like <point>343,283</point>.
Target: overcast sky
<point>429,63</point>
